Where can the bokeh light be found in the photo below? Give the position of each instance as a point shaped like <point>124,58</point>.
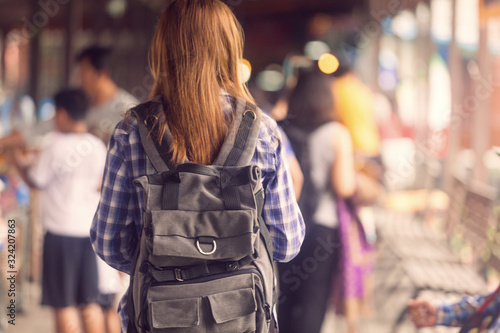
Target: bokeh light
<point>271,79</point>
<point>388,59</point>
<point>404,25</point>
<point>47,109</point>
<point>117,8</point>
<point>387,79</point>
<point>328,63</point>
<point>315,49</point>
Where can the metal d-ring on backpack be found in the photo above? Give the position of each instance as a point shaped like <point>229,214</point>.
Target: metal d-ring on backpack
<point>204,259</point>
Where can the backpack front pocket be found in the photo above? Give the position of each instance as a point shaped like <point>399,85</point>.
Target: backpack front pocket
<point>214,311</point>
<point>175,313</point>
<point>234,307</point>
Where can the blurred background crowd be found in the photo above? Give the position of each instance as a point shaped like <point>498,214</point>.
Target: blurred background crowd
<point>416,83</point>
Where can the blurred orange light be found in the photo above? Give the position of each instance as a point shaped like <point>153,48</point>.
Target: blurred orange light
<point>245,70</point>
<point>328,63</point>
<point>247,63</point>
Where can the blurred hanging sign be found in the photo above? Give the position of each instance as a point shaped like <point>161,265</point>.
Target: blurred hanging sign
<point>489,9</point>
<point>441,21</point>
<point>467,26</point>
<point>494,35</point>
<point>489,15</point>
<point>439,94</point>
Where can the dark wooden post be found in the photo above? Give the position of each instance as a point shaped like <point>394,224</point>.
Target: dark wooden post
<point>34,58</point>
<point>3,44</point>
<point>73,23</point>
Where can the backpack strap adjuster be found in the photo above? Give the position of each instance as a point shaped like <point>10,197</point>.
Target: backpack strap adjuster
<point>251,114</point>
<point>178,274</point>
<point>232,266</point>
<point>145,268</point>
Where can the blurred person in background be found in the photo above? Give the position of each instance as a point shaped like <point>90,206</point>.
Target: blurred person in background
<point>68,174</point>
<point>324,151</point>
<point>473,312</point>
<point>355,108</point>
<point>108,104</point>
<point>108,101</point>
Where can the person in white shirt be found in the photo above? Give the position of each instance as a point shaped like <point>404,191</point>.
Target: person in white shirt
<point>108,103</point>
<point>68,174</point>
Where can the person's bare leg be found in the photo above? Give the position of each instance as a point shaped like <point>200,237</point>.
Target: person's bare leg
<point>67,320</point>
<point>113,324</point>
<point>93,318</point>
<point>368,307</point>
<point>352,315</point>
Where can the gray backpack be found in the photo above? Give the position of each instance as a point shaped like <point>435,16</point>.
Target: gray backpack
<point>204,258</point>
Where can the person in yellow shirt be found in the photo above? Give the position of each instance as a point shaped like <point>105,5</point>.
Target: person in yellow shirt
<point>354,104</point>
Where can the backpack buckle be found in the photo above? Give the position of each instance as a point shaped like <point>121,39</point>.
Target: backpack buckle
<point>178,274</point>
<point>206,240</point>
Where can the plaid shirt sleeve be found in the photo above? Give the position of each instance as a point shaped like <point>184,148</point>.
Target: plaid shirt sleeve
<point>114,231</point>
<point>456,314</point>
<point>281,212</point>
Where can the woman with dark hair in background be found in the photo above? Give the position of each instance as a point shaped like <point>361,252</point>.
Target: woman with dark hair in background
<point>324,150</point>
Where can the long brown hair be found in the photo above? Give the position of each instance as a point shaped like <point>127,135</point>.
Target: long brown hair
<point>196,51</point>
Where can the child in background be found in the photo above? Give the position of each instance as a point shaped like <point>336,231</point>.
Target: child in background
<point>68,174</point>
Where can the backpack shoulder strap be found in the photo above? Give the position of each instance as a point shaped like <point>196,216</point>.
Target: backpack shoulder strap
<point>158,154</point>
<point>237,150</point>
<point>239,146</point>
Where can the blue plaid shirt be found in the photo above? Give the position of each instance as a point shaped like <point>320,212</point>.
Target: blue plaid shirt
<point>457,314</point>
<point>118,221</point>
